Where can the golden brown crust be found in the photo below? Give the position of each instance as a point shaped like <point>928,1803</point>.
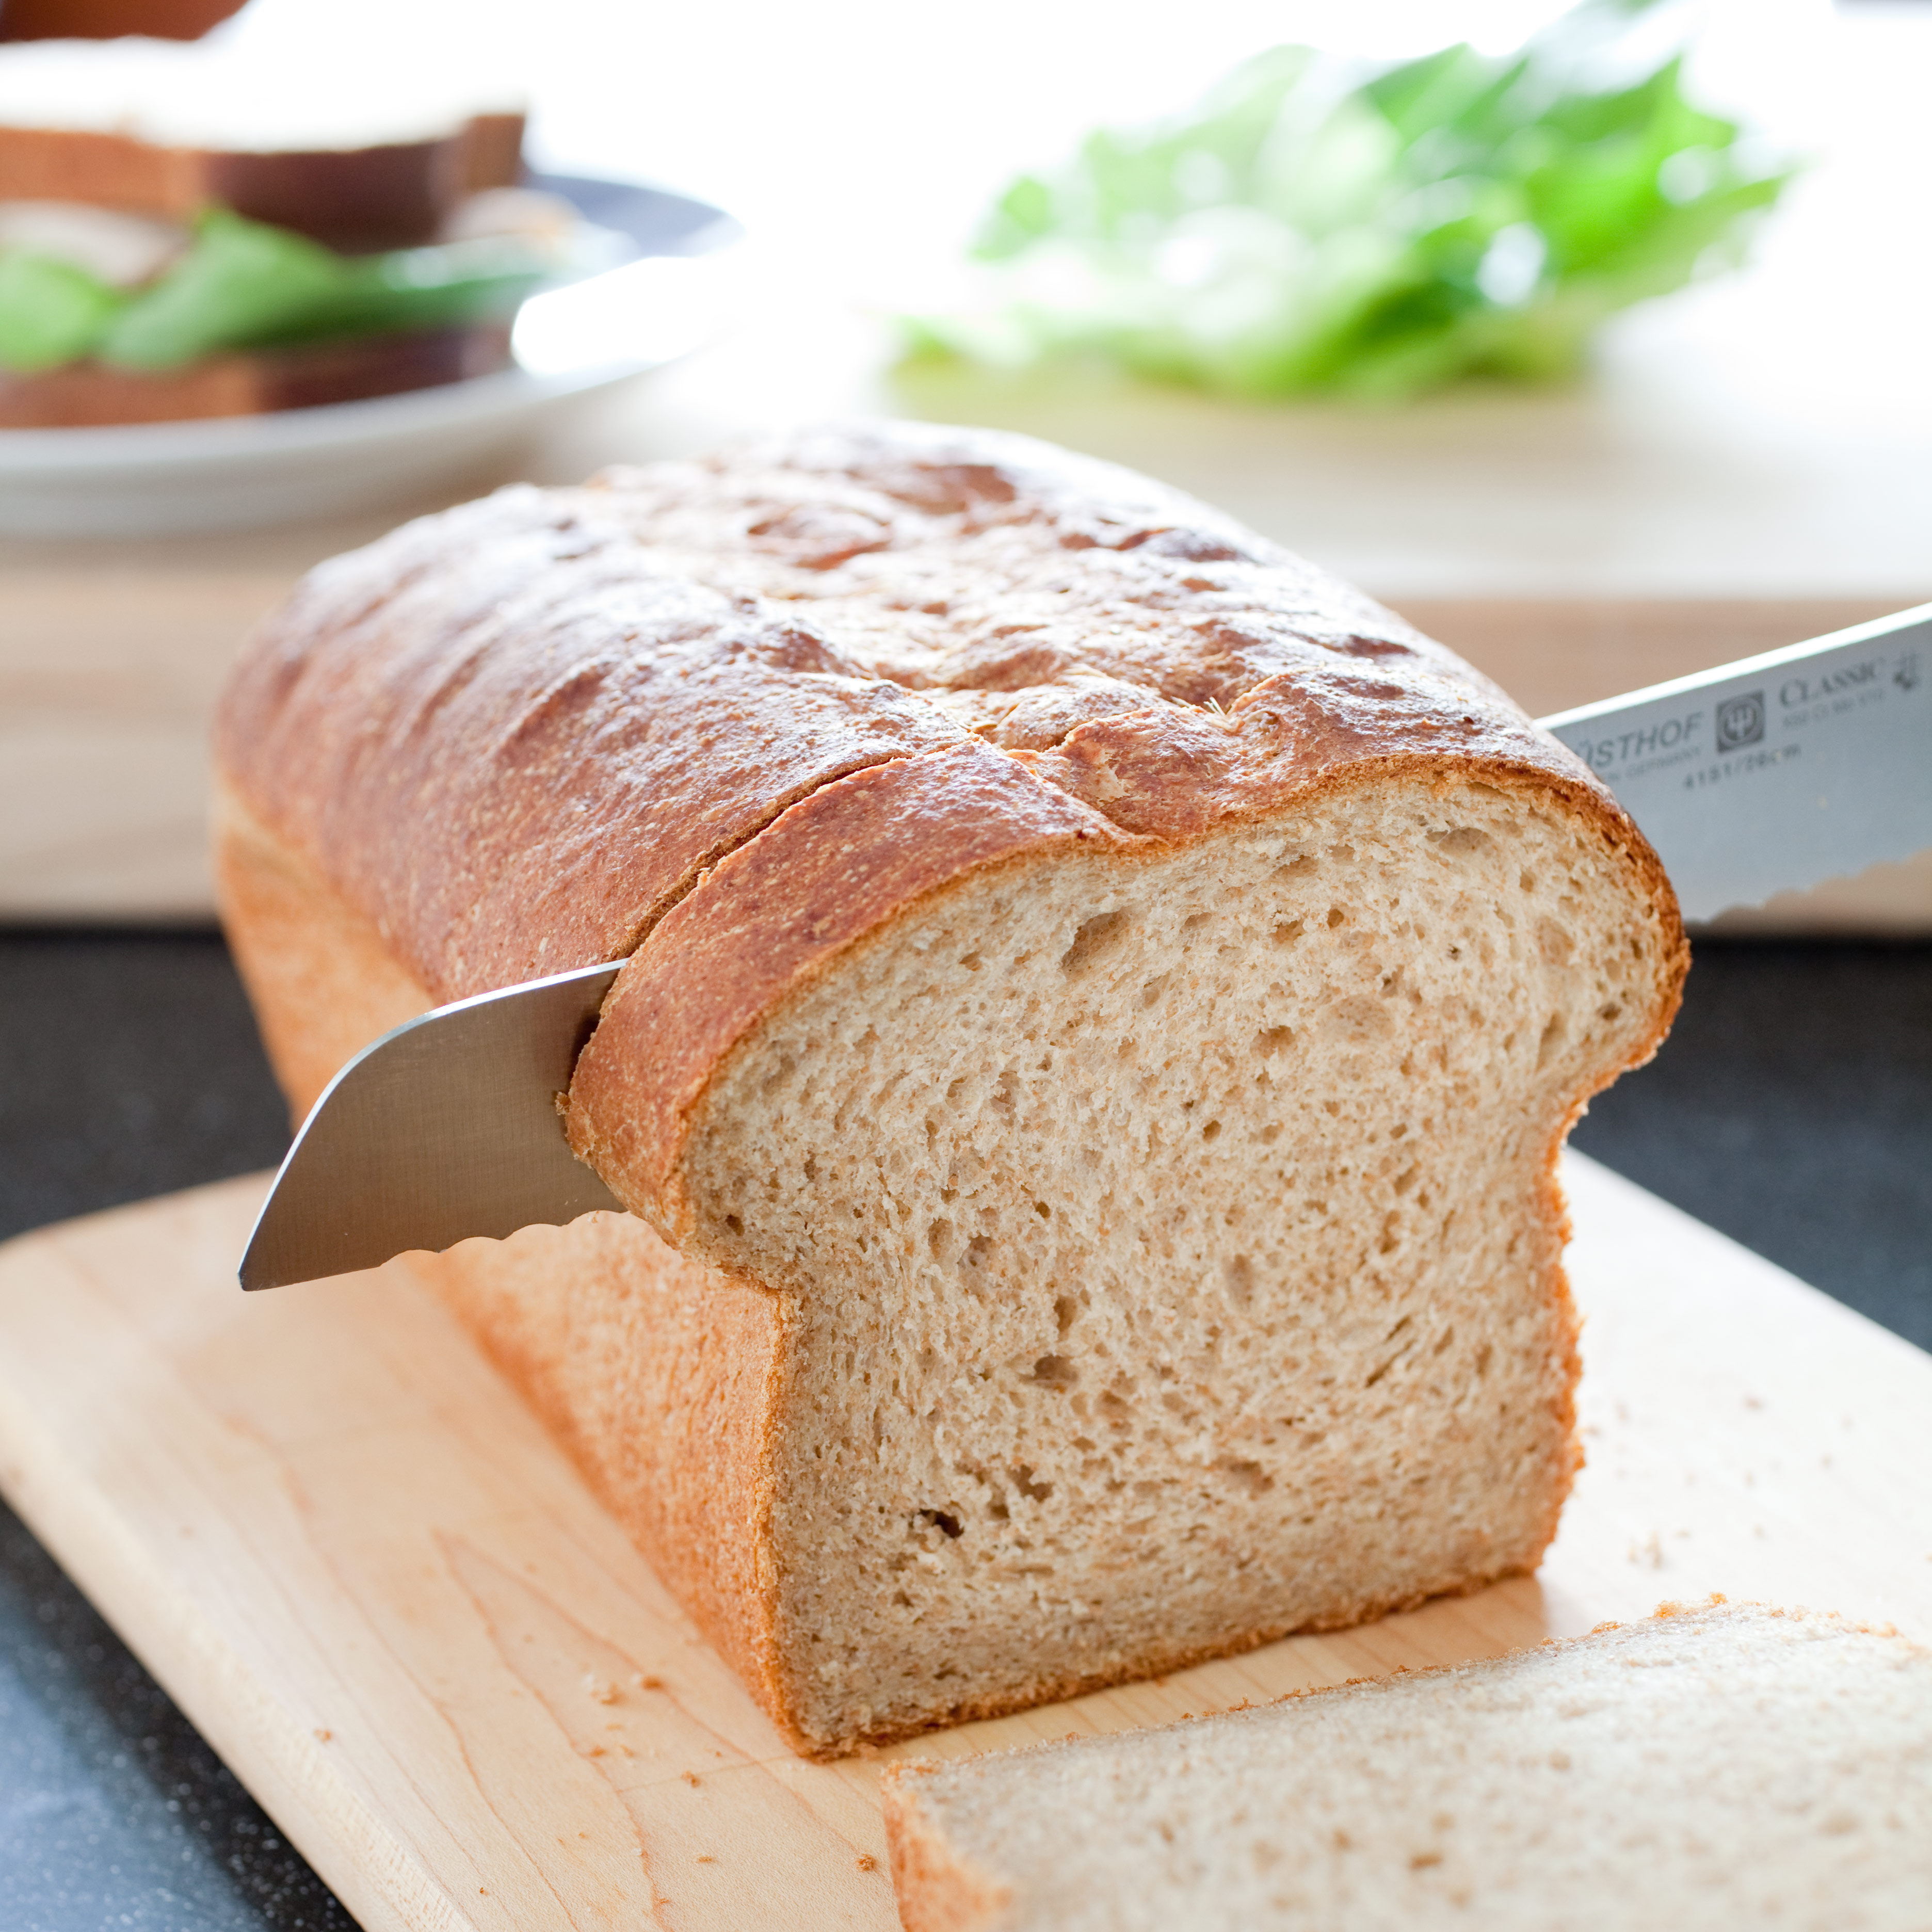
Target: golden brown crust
<point>253,382</point>
<point>392,196</point>
<point>493,151</point>
<point>513,745</point>
<point>323,983</point>
<point>660,1375</point>
<point>103,170</point>
<point>515,735</point>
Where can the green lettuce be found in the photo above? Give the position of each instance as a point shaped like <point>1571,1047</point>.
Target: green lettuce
<point>1313,229</point>
<point>243,284</point>
<point>50,311</point>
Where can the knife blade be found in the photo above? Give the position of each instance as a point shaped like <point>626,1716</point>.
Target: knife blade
<point>445,1127</point>
<point>1770,773</point>
<point>1775,772</point>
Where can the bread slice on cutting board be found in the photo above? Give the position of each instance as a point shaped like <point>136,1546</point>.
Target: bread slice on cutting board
<point>1712,1768</point>
<point>1103,1004</point>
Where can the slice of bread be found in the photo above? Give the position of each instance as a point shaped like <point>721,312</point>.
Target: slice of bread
<point>163,128</point>
<point>1713,1767</point>
<point>1103,1004</point>
<point>245,383</point>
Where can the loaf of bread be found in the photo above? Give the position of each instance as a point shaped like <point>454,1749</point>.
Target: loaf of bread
<point>1102,1003</point>
<point>1708,1769</point>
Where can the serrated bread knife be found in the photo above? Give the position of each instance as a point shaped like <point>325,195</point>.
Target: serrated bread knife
<point>1765,776</point>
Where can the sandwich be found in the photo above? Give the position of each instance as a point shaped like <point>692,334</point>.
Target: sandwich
<point>186,233</point>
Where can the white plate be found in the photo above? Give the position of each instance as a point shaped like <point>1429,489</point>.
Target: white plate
<point>142,479</point>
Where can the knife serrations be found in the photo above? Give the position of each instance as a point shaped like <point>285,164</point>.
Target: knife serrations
<point>1776,772</point>
<point>444,1129</point>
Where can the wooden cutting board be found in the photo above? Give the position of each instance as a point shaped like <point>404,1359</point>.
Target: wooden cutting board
<point>355,1560</point>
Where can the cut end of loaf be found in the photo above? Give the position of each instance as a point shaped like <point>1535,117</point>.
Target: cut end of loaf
<point>1173,1242</point>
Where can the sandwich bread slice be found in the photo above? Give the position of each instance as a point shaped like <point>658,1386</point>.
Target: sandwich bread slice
<point>1710,1768</point>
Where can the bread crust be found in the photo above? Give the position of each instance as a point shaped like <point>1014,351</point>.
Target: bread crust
<point>321,981</point>
<point>730,721</point>
<point>253,382</point>
<point>391,196</point>
<point>514,735</point>
<point>514,748</point>
<point>662,1377</point>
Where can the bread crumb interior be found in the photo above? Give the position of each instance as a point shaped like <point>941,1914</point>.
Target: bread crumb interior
<point>1173,1243</point>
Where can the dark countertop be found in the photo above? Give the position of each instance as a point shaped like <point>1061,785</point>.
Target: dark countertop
<point>1791,1109</point>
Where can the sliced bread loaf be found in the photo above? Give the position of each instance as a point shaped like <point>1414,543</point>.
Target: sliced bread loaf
<point>1714,1768</point>
<point>1103,1004</point>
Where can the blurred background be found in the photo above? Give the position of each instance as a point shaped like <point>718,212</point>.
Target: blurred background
<point>1736,465</point>
<point>1741,462</point>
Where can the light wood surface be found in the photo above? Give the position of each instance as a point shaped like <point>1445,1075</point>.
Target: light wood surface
<point>109,669</point>
<point>355,1560</point>
<point>107,681</point>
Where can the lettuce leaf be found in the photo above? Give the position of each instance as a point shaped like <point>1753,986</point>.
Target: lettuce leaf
<point>1315,229</point>
<point>50,312</point>
<point>241,282</point>
<point>245,285</point>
